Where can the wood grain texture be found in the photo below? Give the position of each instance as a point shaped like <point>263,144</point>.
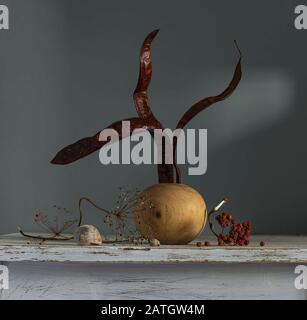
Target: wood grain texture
<point>278,249</point>
<point>64,270</point>
<point>32,280</point>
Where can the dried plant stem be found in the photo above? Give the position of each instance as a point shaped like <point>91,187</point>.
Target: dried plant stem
<point>93,204</point>
<point>214,210</point>
<point>116,218</point>
<point>53,237</point>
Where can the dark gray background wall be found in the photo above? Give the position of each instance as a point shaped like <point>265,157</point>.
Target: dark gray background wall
<point>68,69</point>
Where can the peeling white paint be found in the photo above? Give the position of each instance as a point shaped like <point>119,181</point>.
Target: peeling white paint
<point>289,249</point>
<point>64,270</point>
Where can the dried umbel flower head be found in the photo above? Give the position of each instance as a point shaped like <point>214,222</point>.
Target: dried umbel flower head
<point>59,223</point>
<point>141,205</point>
<point>119,219</point>
<point>55,225</point>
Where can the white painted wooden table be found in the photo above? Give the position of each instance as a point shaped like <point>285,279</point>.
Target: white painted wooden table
<point>64,270</point>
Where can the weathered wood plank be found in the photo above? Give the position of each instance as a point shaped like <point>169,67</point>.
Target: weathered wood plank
<point>282,249</point>
<point>31,280</point>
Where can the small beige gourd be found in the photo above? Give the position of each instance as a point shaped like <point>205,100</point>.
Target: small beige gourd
<point>172,213</point>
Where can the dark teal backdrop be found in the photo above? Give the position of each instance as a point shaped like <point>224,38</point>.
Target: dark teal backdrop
<point>68,69</point>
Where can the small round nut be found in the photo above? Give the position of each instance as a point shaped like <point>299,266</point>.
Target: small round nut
<point>88,235</point>
<point>154,242</point>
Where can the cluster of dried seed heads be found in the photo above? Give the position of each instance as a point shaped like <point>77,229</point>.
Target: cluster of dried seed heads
<point>119,219</point>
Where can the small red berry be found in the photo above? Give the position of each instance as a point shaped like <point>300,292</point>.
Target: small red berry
<point>199,243</point>
<point>207,243</point>
<point>262,243</point>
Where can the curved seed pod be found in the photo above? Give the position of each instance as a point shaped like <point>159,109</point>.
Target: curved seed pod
<point>140,93</point>
<point>77,150</point>
<point>166,173</point>
<point>205,103</point>
<point>140,96</point>
<point>146,120</point>
<point>86,146</point>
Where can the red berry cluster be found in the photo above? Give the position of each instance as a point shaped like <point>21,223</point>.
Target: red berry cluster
<point>239,233</point>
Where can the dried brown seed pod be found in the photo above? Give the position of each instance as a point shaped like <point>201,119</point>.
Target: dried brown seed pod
<point>146,118</point>
<point>88,235</point>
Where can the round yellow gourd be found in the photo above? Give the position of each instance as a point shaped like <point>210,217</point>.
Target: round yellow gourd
<point>170,212</point>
